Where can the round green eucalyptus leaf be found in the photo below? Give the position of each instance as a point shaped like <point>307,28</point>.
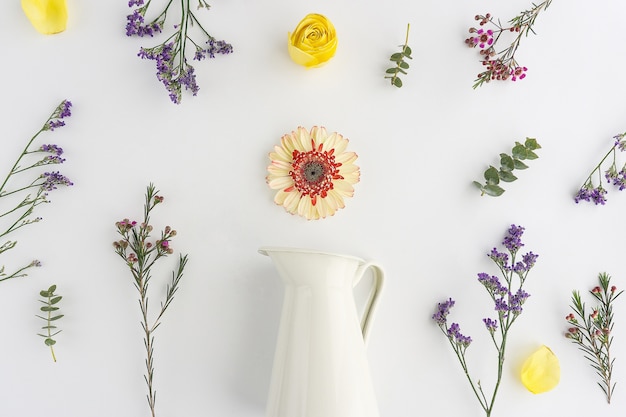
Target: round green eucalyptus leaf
<point>491,175</point>
<point>50,342</point>
<point>397,82</point>
<point>519,164</point>
<point>493,190</point>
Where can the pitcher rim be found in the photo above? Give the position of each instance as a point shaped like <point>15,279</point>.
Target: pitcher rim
<point>264,250</point>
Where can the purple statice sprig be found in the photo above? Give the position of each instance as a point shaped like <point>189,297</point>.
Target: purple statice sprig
<point>24,196</point>
<point>597,194</point>
<point>592,330</point>
<point>508,297</point>
<point>140,251</point>
<point>173,68</point>
<point>502,65</point>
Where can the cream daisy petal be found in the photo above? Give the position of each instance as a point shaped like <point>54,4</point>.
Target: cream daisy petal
<point>312,173</point>
<point>346,157</point>
<point>336,198</point>
<point>280,183</point>
<point>291,202</point>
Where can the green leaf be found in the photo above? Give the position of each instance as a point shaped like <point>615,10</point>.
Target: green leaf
<point>507,176</point>
<point>396,57</point>
<point>397,82</point>
<point>519,164</point>
<point>407,51</point>
<point>49,327</point>
<point>392,70</point>
<point>49,308</point>
<point>44,294</point>
<point>404,65</point>
<point>477,184</point>
<point>506,163</point>
<point>531,144</point>
<point>402,71</point>
<point>50,342</point>
<point>493,190</point>
<point>491,175</point>
<point>531,155</point>
<point>56,317</point>
<point>52,289</point>
<point>519,151</point>
<point>56,299</point>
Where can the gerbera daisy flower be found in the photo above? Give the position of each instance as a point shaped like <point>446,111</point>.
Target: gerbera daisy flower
<point>312,172</point>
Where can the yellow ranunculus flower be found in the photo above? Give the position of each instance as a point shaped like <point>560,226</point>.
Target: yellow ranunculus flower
<point>541,372</point>
<point>47,16</point>
<point>313,42</point>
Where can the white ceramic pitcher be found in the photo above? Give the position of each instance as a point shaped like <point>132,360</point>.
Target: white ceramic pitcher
<point>320,366</point>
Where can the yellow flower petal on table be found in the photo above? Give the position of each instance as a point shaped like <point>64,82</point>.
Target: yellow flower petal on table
<point>47,16</point>
<point>541,371</point>
<point>313,42</point>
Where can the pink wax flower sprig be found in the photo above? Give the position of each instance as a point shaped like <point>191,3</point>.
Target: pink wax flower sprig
<point>593,331</point>
<point>140,252</point>
<point>502,65</point>
<point>173,68</point>
<point>597,194</point>
<point>508,297</point>
<point>23,195</point>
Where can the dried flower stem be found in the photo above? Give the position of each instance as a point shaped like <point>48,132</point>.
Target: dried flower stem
<point>508,305</point>
<point>140,255</point>
<point>20,215</point>
<point>504,66</point>
<point>594,332</point>
<point>588,192</point>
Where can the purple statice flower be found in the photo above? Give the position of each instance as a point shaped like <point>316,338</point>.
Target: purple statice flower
<point>620,143</point>
<point>598,195</point>
<point>491,325</point>
<point>516,301</point>
<point>187,79</point>
<point>53,159</point>
<point>52,179</point>
<point>443,309</point>
<point>512,241</point>
<point>132,3</point>
<point>584,194</point>
<point>64,109</point>
<point>55,124</point>
<point>214,48</point>
<point>455,332</point>
<point>135,26</point>
<point>500,258</point>
<point>52,149</point>
<point>501,306</point>
<point>492,284</point>
<point>529,260</point>
<point>61,112</point>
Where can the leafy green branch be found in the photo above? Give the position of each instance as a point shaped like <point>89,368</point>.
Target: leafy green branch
<point>508,163</point>
<point>49,308</point>
<point>401,64</point>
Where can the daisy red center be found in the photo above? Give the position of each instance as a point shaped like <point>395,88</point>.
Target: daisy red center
<point>313,172</point>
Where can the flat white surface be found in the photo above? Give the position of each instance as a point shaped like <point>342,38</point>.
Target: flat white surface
<point>415,210</point>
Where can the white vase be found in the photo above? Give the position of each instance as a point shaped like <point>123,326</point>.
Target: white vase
<point>320,365</point>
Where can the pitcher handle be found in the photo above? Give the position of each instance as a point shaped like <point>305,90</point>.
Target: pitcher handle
<point>372,299</point>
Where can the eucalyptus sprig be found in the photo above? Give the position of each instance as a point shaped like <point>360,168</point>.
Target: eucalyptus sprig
<point>173,68</point>
<point>399,59</point>
<point>49,308</point>
<point>140,252</point>
<point>504,66</point>
<point>593,331</point>
<point>508,163</point>
<point>25,186</point>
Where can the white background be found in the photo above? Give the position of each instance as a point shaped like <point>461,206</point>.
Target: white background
<point>415,210</point>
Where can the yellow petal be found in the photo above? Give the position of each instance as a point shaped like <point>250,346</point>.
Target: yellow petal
<point>47,16</point>
<point>541,371</point>
<point>313,42</point>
